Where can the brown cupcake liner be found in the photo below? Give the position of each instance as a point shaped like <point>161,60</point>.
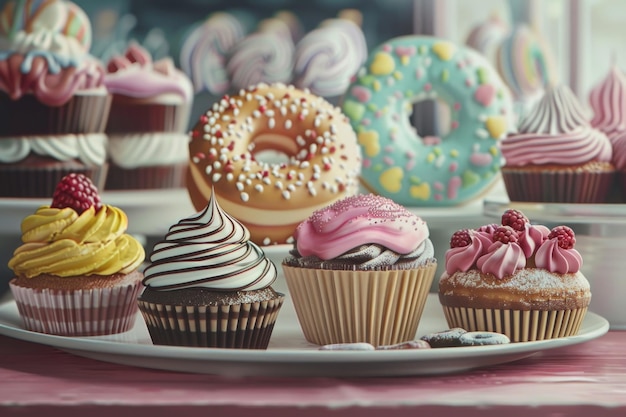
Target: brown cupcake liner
<point>137,116</point>
<point>92,312</point>
<point>154,177</point>
<point>377,307</point>
<point>28,181</point>
<point>557,187</point>
<point>242,326</point>
<point>518,325</point>
<point>83,113</point>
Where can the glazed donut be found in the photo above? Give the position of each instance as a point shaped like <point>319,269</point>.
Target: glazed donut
<point>272,198</point>
<point>432,171</point>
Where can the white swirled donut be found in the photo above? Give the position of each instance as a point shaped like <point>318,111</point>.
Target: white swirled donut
<point>271,199</point>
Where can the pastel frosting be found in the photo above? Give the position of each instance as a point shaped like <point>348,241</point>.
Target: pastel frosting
<point>210,250</point>
<point>619,152</point>
<point>134,74</point>
<point>262,57</point>
<point>533,249</point>
<point>44,52</point>
<point>357,220</point>
<point>204,53</point>
<point>608,102</point>
<point>63,243</point>
<point>328,57</point>
<point>556,131</point>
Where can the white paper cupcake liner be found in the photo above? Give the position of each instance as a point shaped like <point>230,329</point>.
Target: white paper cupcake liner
<point>90,312</point>
<point>244,326</point>
<point>377,307</point>
<point>518,325</point>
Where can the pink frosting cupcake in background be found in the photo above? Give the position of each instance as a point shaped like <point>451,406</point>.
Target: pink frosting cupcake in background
<point>53,103</point>
<point>360,271</point>
<point>608,102</point>
<point>557,156</point>
<point>328,57</point>
<point>265,56</point>
<point>147,127</point>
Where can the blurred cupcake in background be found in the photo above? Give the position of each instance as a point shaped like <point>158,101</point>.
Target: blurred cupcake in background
<point>147,127</point>
<point>328,57</point>
<point>557,156</point>
<point>53,102</point>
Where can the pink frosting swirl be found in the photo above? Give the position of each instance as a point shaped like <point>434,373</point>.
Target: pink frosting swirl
<point>619,152</point>
<point>554,258</point>
<point>464,258</point>
<point>608,101</point>
<point>532,237</point>
<point>135,75</point>
<point>502,259</point>
<point>556,132</point>
<point>23,74</point>
<point>358,220</point>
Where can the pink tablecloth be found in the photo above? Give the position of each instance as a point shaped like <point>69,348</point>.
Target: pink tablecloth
<point>583,380</point>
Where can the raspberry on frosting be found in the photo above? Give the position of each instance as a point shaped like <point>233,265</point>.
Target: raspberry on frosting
<point>503,249</point>
<point>77,192</point>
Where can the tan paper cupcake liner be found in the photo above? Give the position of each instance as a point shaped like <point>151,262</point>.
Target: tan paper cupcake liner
<point>377,307</point>
<point>244,326</point>
<point>557,187</point>
<point>91,312</point>
<point>518,325</point>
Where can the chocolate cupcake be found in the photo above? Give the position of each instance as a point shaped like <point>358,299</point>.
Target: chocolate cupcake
<point>147,128</point>
<point>208,285</point>
<point>53,103</point>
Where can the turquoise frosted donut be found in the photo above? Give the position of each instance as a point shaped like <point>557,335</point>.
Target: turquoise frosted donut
<point>413,171</point>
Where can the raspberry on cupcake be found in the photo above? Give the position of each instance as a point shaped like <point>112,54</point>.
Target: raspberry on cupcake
<point>77,261</point>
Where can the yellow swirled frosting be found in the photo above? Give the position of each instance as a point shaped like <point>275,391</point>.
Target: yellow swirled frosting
<point>60,242</point>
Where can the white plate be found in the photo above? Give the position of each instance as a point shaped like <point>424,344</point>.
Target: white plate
<point>290,355</point>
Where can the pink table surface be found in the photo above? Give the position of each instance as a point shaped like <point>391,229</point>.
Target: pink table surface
<point>582,380</point>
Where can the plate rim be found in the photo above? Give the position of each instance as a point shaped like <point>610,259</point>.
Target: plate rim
<point>594,326</point>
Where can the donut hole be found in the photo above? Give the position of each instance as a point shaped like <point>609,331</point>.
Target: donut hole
<point>431,119</point>
<point>273,148</point>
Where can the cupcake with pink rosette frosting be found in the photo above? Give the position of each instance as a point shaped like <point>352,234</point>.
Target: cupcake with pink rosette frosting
<point>360,271</point>
<point>557,156</point>
<point>516,278</point>
<point>147,127</point>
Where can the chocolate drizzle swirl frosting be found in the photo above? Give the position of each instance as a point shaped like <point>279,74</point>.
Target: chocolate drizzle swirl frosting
<point>209,250</point>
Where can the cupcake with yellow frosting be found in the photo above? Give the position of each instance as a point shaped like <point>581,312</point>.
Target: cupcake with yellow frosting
<point>76,273</point>
<point>208,285</point>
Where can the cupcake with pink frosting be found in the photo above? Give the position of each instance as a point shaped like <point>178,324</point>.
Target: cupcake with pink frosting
<point>53,103</point>
<point>557,156</point>
<point>147,127</point>
<point>516,278</point>
<point>360,271</point>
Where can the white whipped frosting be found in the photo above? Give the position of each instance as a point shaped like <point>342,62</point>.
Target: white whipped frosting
<point>88,148</point>
<point>148,149</point>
